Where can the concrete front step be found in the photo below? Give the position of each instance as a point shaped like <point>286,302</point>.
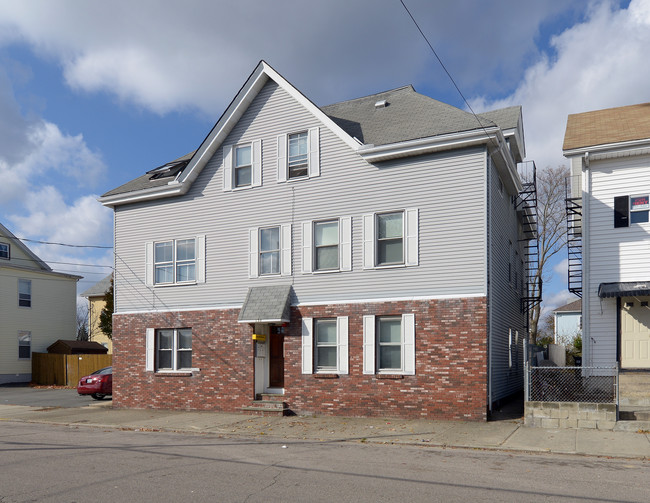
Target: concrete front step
<point>627,401</point>
<point>267,407</point>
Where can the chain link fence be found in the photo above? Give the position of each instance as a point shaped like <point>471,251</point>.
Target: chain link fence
<point>572,384</point>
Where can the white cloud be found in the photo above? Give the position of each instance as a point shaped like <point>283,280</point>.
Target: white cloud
<point>556,300</point>
<point>599,63</point>
<point>562,267</point>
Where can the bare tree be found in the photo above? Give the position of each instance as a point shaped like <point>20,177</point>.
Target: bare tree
<point>82,322</point>
<point>551,225</point>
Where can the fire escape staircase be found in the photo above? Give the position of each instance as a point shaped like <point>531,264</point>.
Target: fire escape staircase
<point>526,205</point>
<point>574,241</point>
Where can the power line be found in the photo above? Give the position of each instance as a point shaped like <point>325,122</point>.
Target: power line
<point>65,244</point>
<point>444,68</point>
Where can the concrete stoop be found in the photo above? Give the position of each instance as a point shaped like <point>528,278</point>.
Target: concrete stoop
<point>634,389</point>
<point>267,405</point>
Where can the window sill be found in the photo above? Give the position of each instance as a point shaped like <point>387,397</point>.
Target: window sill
<point>326,376</point>
<point>167,285</point>
<point>176,373</point>
<point>390,376</point>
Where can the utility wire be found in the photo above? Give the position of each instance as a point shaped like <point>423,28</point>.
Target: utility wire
<point>445,68</point>
<point>65,244</point>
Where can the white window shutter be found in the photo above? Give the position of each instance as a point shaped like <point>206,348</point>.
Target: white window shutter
<point>408,329</point>
<point>256,168</point>
<point>345,243</point>
<point>227,167</point>
<point>199,253</point>
<point>253,251</point>
<point>307,254</point>
<point>369,241</point>
<point>314,152</point>
<point>368,344</point>
<point>342,353</point>
<point>148,264</point>
<point>282,158</point>
<point>285,252</point>
<point>307,345</point>
<point>412,237</point>
<point>150,342</point>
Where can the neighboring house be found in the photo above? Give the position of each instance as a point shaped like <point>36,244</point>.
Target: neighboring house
<point>609,154</point>
<point>568,322</point>
<point>95,295</point>
<point>364,258</point>
<point>37,307</point>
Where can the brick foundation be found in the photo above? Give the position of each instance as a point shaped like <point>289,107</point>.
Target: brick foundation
<point>450,380</point>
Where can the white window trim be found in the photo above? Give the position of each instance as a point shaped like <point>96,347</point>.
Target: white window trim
<point>313,156</point>
<point>31,295</point>
<point>8,257</point>
<point>254,251</point>
<point>150,352</point>
<point>228,166</point>
<point>199,262</point>
<point>410,239</point>
<point>370,342</point>
<point>21,332</point>
<point>344,244</point>
<point>342,347</point>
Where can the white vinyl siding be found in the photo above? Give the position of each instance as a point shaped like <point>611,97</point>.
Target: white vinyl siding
<point>451,255</point>
<point>610,254</point>
<point>338,363</point>
<point>375,346</point>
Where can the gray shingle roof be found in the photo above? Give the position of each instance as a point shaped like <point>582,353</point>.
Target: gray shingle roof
<point>99,288</point>
<point>572,307</point>
<point>407,115</point>
<point>266,304</point>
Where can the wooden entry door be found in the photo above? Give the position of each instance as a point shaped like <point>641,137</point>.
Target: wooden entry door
<point>276,358</point>
<point>635,332</point>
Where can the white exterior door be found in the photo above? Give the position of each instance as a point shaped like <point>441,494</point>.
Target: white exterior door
<point>635,332</point>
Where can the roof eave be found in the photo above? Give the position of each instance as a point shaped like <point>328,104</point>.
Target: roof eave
<point>427,145</point>
<point>607,150</point>
<point>172,189</point>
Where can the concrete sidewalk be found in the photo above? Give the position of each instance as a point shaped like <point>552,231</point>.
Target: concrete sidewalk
<point>509,435</point>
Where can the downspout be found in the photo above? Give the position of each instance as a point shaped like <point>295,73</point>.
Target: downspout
<point>586,284</point>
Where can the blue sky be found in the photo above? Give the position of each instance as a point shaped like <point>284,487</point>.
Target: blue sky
<point>92,94</point>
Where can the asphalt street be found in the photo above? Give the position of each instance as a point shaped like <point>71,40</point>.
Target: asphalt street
<point>62,463</point>
<point>42,397</point>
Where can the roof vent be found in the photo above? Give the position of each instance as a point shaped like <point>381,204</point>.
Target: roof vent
<point>381,104</point>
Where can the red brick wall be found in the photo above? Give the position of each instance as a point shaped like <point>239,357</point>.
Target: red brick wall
<point>450,380</point>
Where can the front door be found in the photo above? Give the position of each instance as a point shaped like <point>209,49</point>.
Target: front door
<point>635,332</point>
<point>276,358</point>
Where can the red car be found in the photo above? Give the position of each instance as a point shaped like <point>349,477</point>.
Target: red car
<point>98,384</point>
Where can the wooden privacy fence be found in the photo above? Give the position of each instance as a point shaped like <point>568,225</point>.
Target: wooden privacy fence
<point>65,370</point>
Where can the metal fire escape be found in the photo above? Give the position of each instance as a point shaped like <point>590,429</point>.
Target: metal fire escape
<point>574,240</point>
<point>526,205</point>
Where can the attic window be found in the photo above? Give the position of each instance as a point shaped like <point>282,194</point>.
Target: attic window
<point>168,170</point>
<point>381,104</point>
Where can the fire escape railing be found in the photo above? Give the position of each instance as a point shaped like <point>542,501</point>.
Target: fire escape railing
<point>574,240</point>
<point>526,205</point>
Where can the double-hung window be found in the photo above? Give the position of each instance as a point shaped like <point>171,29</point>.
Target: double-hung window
<point>270,251</point>
<point>325,345</point>
<point>176,261</point>
<point>25,293</point>
<point>242,165</point>
<point>327,245</point>
<point>389,344</point>
<point>173,349</point>
<point>4,251</point>
<point>24,345</point>
<point>299,155</point>
<point>390,239</point>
